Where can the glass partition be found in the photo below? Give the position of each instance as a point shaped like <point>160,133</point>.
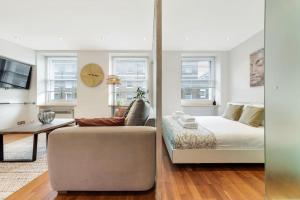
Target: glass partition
<point>282,99</point>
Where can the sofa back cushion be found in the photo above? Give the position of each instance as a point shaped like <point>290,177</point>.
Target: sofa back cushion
<point>138,113</point>
<point>113,121</point>
<point>128,108</point>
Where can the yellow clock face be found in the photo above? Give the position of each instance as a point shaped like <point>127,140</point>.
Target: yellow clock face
<point>92,75</point>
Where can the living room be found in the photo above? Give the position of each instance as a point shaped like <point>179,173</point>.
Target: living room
<point>68,75</point>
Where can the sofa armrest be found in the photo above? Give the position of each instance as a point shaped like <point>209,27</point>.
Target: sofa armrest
<point>102,158</point>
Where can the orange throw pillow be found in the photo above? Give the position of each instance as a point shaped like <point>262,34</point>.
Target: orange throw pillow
<point>120,112</point>
<point>114,121</point>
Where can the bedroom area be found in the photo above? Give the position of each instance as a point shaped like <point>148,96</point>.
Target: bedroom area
<point>213,99</point>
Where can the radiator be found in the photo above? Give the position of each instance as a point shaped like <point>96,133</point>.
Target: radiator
<point>60,111</point>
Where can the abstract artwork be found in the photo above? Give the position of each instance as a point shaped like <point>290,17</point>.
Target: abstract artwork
<point>257,68</point>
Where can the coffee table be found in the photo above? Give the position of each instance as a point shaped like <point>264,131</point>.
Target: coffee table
<point>35,129</point>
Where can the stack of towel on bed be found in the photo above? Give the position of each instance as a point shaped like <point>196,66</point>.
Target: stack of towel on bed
<point>184,120</point>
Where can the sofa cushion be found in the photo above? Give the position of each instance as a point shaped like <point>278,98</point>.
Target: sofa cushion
<point>120,112</point>
<point>138,113</point>
<point>128,108</point>
<point>114,121</point>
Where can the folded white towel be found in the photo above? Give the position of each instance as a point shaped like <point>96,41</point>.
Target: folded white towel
<point>178,112</point>
<point>187,118</point>
<point>188,125</point>
<point>176,115</point>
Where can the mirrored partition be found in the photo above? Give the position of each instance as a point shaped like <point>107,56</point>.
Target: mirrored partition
<point>282,99</point>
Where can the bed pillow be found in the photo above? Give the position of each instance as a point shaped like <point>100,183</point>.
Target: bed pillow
<point>113,121</point>
<point>233,111</point>
<point>138,113</point>
<point>252,116</point>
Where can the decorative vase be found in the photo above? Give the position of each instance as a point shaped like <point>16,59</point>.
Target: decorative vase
<point>46,116</point>
<point>214,102</point>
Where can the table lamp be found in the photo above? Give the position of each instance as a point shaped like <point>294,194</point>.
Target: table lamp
<point>113,80</point>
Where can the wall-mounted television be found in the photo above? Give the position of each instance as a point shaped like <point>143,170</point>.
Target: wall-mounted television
<point>14,74</point>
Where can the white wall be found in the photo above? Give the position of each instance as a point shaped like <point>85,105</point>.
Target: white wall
<point>172,83</point>
<point>232,72</point>
<point>10,114</point>
<point>239,71</point>
<point>92,101</point>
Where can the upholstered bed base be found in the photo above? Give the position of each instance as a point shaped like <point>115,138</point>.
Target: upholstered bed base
<point>214,155</point>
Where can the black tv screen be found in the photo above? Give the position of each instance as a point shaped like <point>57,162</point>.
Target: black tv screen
<point>14,74</point>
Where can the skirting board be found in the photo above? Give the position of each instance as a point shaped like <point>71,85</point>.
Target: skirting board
<point>214,155</point>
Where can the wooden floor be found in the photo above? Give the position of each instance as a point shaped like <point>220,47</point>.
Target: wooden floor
<point>14,137</point>
<point>212,181</point>
<point>180,182</point>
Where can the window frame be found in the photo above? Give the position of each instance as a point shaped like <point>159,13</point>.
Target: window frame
<point>131,55</point>
<point>200,102</point>
<point>47,85</point>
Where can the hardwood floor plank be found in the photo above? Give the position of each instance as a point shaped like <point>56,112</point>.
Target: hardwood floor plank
<point>14,137</point>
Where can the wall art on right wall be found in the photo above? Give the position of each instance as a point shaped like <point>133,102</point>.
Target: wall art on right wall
<point>257,68</point>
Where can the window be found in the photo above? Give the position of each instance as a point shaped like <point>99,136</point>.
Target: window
<point>133,72</point>
<point>62,78</point>
<point>197,79</point>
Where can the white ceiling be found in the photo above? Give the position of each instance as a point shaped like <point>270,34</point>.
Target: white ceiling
<point>128,24</point>
<point>77,24</point>
<point>211,24</point>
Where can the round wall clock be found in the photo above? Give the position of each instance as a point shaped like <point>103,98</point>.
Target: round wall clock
<point>92,75</point>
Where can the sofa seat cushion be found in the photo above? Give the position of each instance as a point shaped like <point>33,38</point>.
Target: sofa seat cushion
<point>113,121</point>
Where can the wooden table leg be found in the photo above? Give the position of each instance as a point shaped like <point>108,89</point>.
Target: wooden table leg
<point>34,149</point>
<point>1,148</point>
<point>47,135</point>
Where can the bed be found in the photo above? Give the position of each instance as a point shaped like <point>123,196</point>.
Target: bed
<point>217,140</point>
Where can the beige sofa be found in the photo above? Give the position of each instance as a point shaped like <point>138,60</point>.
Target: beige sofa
<point>102,158</point>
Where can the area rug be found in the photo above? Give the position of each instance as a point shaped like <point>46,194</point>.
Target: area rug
<point>14,176</point>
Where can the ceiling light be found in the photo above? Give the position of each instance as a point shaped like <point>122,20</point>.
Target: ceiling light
<point>145,38</point>
<point>187,38</point>
<point>227,38</point>
<point>61,38</point>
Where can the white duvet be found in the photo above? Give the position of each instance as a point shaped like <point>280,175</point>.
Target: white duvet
<point>232,134</point>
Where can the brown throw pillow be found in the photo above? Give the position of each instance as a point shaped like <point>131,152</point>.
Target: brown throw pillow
<point>120,112</point>
<point>233,112</point>
<point>252,116</point>
<point>114,121</point>
<point>138,113</point>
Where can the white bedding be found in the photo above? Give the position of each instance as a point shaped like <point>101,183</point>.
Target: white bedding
<point>232,134</point>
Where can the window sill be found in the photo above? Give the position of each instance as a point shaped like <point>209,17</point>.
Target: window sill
<point>121,106</point>
<point>197,103</point>
<point>61,104</point>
